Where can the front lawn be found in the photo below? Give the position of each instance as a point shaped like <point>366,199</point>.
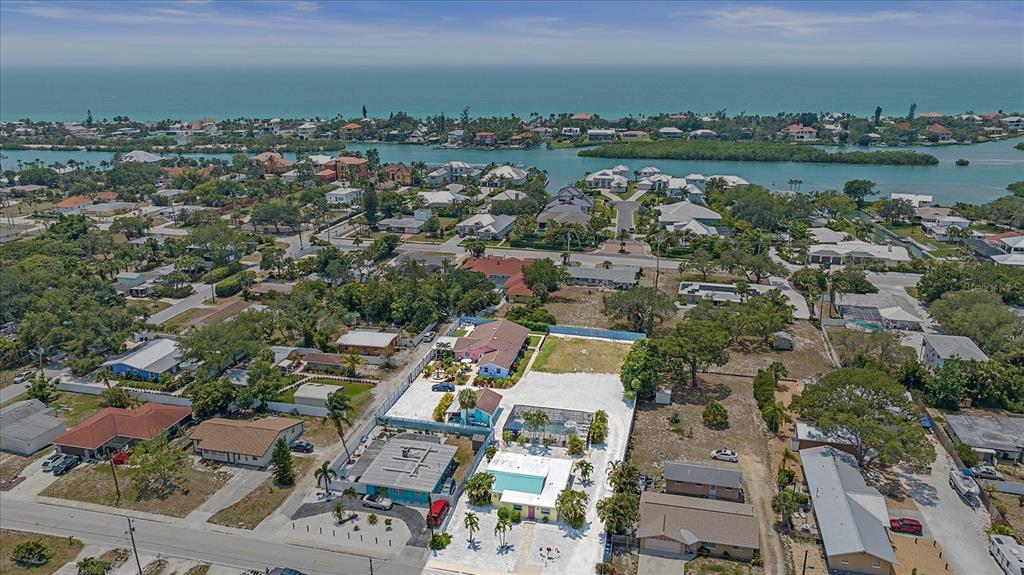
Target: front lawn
<point>917,234</point>
<point>73,408</point>
<point>95,484</point>
<point>577,355</point>
<point>360,394</point>
<point>252,509</point>
<point>61,551</point>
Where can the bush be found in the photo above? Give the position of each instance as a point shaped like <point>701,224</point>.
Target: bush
<point>599,427</point>
<point>439,541</point>
<point>492,450</point>
<point>715,416</point>
<point>228,287</point>
<point>32,551</point>
<point>93,566</point>
<point>442,406</point>
<point>785,478</point>
<point>510,514</point>
<point>574,445</point>
<point>764,388</point>
<point>372,519</point>
<point>968,456</point>
<point>217,274</point>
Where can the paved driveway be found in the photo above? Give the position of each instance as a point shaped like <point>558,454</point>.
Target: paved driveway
<point>959,528</point>
<point>413,518</point>
<point>202,293</point>
<point>655,565</point>
<point>624,214</point>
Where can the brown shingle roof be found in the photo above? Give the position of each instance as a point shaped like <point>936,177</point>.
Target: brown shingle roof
<point>488,401</point>
<point>710,520</point>
<point>245,437</point>
<point>512,268</point>
<point>503,338</point>
<point>144,422</point>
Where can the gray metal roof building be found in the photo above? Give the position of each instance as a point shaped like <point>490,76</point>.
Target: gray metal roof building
<point>852,517</point>
<point>704,474</point>
<point>1002,434</point>
<point>28,426</point>
<point>406,464</point>
<point>950,346</point>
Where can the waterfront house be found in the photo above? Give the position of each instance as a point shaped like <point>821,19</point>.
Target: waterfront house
<point>273,163</point>
<point>455,137</point>
<point>529,484</point>
<point>494,346</point>
<point>703,134</point>
<point>607,179</point>
<point>28,426</point>
<point>940,228</point>
<point>485,139</point>
<point>140,156</point>
<point>601,135</point>
<point>352,167</point>
<point>938,131</point>
<point>305,130</point>
<point>647,172</point>
<point>916,200</point>
<point>351,131</point>
<point>1013,122</point>
<point>366,342</point>
<point>678,215</point>
<point>114,429</point>
<point>148,361</point>
<point>571,132</point>
<point>677,526</point>
<point>671,133</point>
<point>800,133</point>
<point>248,443</point>
<point>505,176</point>
<point>703,480</point>
<point>486,226</point>
<point>851,515</point>
<point>633,135</point>
<point>939,348</point>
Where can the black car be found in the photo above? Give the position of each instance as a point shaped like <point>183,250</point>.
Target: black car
<point>302,447</point>
<point>67,464</point>
<point>442,387</point>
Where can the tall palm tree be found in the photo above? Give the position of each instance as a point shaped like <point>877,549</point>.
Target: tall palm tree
<point>352,361</point>
<point>572,507</point>
<point>324,474</point>
<point>536,420</point>
<point>351,495</point>
<point>472,523</point>
<point>584,468</point>
<point>338,407</point>
<point>467,401</point>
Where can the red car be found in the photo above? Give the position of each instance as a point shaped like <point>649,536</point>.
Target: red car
<point>437,512</point>
<point>906,525</point>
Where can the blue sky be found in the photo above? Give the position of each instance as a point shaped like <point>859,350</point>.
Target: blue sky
<point>203,32</point>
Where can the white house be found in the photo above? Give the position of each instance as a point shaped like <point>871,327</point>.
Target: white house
<point>677,215</point>
<point>346,196</point>
<point>505,176</point>
<point>607,179</point>
<point>671,133</point>
<point>140,156</point>
<point>855,252</point>
<point>598,135</point>
<point>486,226</point>
<point>800,133</point>
<point>305,130</point>
<point>1013,122</point>
<point>570,132</point>
<point>917,200</point>
<point>938,348</point>
<point>248,443</point>
<point>440,198</point>
<point>28,426</point>
<point>647,171</point>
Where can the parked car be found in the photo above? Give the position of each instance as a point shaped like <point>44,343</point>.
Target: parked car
<point>906,525</point>
<point>52,460</point>
<point>438,510</point>
<point>442,387</point>
<point>23,377</point>
<point>377,501</point>
<point>67,464</point>
<point>725,455</point>
<point>429,336</point>
<point>302,447</point>
<point>986,472</point>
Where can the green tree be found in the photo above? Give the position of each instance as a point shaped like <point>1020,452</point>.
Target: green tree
<point>572,507</point>
<point>339,407</point>
<point>871,410</point>
<point>584,468</point>
<point>264,384</point>
<point>698,344</point>
<point>157,468</point>
<point>31,551</point>
<point>543,277</point>
<point>619,512</point>
<point>476,248</point>
<point>773,414</point>
<point>282,464</point>
<point>324,474</point>
<point>981,316</point>
<point>467,401</point>
<point>117,396</point>
<point>93,566</point>
<point>478,488</point>
<point>623,476</point>
<point>641,370</point>
<point>574,446</point>
<point>598,427</point>
<point>700,261</point>
<point>715,416</point>
<point>210,397</point>
<point>370,206</point>
<point>858,190</point>
<point>785,504</point>
<point>640,306</point>
<point>472,524</point>
<point>41,389</point>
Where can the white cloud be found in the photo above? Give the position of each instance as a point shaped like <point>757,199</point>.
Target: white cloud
<point>799,22</point>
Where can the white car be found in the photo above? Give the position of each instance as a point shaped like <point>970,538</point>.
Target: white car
<point>725,455</point>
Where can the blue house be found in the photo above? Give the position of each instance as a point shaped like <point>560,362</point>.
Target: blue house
<point>484,414</point>
<point>149,361</point>
<point>407,470</point>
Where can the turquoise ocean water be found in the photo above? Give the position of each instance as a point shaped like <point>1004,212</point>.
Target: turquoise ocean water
<point>298,91</point>
<point>993,166</point>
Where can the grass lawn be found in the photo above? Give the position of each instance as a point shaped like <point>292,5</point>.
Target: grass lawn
<point>94,484</point>
<point>61,552</point>
<point>252,509</point>
<point>713,565</point>
<point>75,407</point>
<point>360,394</point>
<point>155,306</point>
<point>179,321</point>
<point>460,332</point>
<point>23,208</point>
<point>463,456</point>
<point>917,234</point>
<point>571,355</point>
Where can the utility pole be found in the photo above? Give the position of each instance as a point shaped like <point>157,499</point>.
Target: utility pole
<point>131,534</point>
<point>117,486</point>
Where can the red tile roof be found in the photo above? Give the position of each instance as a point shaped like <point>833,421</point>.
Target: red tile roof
<point>74,202</point>
<point>144,422</point>
<point>938,129</point>
<point>1002,236</point>
<point>581,117</point>
<point>797,128</point>
<point>327,173</point>
<point>512,268</point>
<point>351,161</point>
<point>352,126</point>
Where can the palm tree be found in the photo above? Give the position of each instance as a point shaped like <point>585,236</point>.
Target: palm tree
<point>467,401</point>
<point>774,414</point>
<point>572,507</point>
<point>584,468</point>
<point>352,361</point>
<point>338,407</point>
<point>351,495</point>
<point>536,420</point>
<point>787,456</point>
<point>472,523</point>
<point>778,370</point>
<point>324,474</point>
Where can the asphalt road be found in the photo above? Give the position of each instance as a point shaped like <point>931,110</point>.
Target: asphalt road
<point>11,391</point>
<point>244,552</point>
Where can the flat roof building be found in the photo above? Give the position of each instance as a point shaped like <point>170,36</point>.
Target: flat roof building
<point>367,342</point>
<point>996,437</point>
<point>939,348</point>
<point>409,470</point>
<point>529,484</point>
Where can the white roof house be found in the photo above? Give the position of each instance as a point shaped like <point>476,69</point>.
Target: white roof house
<point>140,156</point>
<point>682,213</point>
<point>343,195</point>
<point>939,348</point>
<point>917,200</point>
<point>555,473</point>
<point>648,171</point>
<point>487,226</point>
<point>851,515</point>
<point>314,394</point>
<point>156,357</point>
<point>440,198</point>
<point>506,174</point>
<point>856,251</point>
<point>731,181</point>
<point>507,195</point>
<point>28,426</point>
<point>367,339</point>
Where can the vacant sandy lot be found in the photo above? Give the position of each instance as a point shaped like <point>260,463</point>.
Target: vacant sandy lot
<point>579,306</point>
<point>809,356</point>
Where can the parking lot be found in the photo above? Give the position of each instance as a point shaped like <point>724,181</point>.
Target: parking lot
<point>418,402</point>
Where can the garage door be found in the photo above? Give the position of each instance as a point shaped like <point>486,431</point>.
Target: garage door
<point>665,546</point>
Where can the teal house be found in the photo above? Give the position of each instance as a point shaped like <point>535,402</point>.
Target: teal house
<point>529,484</point>
<point>484,414</point>
<point>406,470</point>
